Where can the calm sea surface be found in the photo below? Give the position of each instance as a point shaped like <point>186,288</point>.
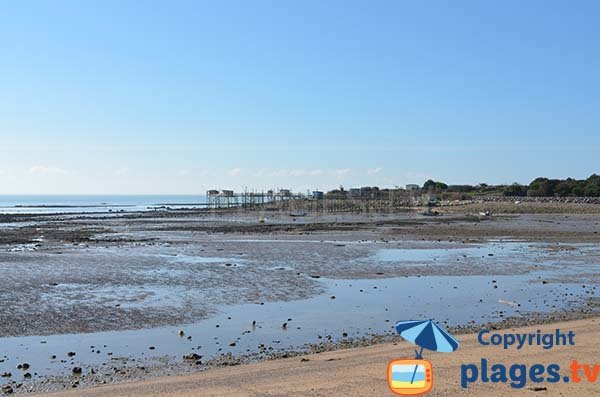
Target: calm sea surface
<point>15,204</point>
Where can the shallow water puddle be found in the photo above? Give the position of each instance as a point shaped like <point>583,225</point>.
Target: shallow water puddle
<point>351,307</point>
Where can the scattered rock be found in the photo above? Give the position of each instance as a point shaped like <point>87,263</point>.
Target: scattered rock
<point>537,388</point>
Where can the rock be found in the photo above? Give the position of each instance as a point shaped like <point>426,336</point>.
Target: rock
<point>71,354</point>
<point>77,370</point>
<point>7,389</point>
<point>27,375</point>
<point>192,357</point>
<point>6,375</point>
<point>181,333</point>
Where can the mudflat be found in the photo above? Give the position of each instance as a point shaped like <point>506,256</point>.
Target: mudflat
<point>130,296</point>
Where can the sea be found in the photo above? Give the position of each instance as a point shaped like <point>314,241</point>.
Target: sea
<point>41,204</point>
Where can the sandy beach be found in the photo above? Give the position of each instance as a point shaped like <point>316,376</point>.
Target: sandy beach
<point>361,371</point>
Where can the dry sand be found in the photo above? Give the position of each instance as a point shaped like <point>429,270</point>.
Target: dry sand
<point>362,371</point>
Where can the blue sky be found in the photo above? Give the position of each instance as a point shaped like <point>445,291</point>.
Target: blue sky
<point>179,97</point>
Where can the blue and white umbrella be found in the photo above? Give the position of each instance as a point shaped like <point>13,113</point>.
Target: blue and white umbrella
<point>428,335</point>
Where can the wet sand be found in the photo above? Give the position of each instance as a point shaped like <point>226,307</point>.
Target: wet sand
<point>362,371</point>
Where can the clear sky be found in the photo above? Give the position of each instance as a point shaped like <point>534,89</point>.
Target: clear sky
<point>179,97</point>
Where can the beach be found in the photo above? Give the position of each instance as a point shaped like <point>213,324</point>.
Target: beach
<point>362,371</point>
<point>97,298</point>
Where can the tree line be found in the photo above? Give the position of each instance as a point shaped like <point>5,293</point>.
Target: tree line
<point>545,187</point>
<point>539,187</point>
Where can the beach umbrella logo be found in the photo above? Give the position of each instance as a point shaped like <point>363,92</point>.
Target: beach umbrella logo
<point>411,377</point>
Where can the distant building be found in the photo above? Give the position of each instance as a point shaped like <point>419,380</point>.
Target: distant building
<point>227,193</point>
<point>213,192</point>
<point>354,192</point>
<point>318,195</point>
<point>285,192</point>
<point>412,186</point>
<point>369,191</point>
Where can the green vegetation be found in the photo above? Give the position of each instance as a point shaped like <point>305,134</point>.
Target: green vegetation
<point>544,187</point>
<point>431,185</point>
<point>539,187</point>
<point>515,190</point>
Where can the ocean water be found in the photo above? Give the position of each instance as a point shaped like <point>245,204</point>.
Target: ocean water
<point>36,204</point>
